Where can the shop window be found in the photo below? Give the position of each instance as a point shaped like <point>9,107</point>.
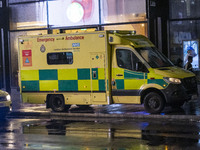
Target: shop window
<point>115,11</point>
<point>21,1</point>
<point>184,9</point>
<point>28,16</point>
<point>60,58</point>
<point>73,13</point>
<point>181,31</point>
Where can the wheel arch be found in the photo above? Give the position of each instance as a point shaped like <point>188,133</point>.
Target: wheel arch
<point>146,91</point>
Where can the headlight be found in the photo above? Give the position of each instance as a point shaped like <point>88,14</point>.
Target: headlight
<point>8,98</point>
<point>172,80</point>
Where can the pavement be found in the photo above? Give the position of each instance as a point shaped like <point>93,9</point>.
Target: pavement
<point>189,112</point>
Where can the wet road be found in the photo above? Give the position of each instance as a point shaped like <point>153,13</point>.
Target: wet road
<point>189,108</point>
<point>46,134</point>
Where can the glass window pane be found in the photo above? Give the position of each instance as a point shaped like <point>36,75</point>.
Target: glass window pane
<point>14,53</point>
<point>179,32</point>
<point>21,1</point>
<point>124,59</point>
<point>153,57</point>
<point>73,13</point>
<point>184,9</point>
<point>26,16</point>
<point>114,11</point>
<point>60,58</point>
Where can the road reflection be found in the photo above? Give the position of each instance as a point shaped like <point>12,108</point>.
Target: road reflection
<point>115,135</point>
<point>47,134</point>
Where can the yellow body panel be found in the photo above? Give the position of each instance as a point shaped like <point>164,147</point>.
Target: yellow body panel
<point>127,99</point>
<point>95,85</point>
<point>34,98</point>
<point>67,74</point>
<point>48,85</point>
<point>84,85</point>
<point>131,84</point>
<point>101,73</point>
<point>29,75</point>
<point>78,98</point>
<point>99,98</point>
<point>174,72</point>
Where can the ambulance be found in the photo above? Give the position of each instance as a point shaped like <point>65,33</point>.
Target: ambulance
<point>100,68</point>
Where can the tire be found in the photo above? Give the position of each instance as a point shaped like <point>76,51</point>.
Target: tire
<point>57,103</point>
<point>154,103</point>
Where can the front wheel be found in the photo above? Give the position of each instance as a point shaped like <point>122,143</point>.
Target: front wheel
<point>57,103</point>
<point>154,103</point>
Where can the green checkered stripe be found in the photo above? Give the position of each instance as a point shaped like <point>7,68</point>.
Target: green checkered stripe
<point>133,80</point>
<point>73,80</point>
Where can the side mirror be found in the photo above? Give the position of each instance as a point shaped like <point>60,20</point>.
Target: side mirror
<point>141,67</point>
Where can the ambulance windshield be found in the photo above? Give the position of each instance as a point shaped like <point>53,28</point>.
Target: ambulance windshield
<point>153,57</point>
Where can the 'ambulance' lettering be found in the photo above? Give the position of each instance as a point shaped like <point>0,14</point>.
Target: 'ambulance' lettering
<point>74,38</point>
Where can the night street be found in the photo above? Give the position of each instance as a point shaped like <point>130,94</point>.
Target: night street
<point>46,134</point>
<point>100,75</point>
<point>103,127</point>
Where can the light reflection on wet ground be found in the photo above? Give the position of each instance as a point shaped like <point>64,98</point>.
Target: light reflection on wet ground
<point>98,135</point>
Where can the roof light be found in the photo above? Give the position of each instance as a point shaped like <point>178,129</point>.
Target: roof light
<point>123,32</point>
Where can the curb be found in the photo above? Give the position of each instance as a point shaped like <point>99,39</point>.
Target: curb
<point>188,118</point>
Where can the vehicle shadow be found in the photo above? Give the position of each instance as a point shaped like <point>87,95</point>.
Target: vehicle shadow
<point>81,109</point>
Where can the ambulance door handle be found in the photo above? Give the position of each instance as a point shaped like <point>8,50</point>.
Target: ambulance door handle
<point>94,73</point>
<point>113,83</point>
<point>119,75</point>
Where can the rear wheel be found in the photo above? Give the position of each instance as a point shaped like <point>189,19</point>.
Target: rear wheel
<point>154,103</point>
<point>57,103</point>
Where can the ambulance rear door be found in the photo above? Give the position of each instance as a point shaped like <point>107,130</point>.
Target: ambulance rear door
<point>98,78</point>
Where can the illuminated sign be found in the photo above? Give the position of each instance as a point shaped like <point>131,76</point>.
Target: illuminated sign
<point>75,12</point>
<point>191,48</point>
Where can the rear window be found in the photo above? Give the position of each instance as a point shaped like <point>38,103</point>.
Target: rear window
<point>60,58</point>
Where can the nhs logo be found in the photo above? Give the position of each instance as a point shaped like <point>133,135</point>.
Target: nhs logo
<point>75,44</point>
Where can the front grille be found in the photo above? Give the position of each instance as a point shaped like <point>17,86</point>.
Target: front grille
<point>190,84</point>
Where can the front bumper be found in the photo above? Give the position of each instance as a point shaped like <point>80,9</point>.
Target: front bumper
<point>176,93</point>
<point>5,106</point>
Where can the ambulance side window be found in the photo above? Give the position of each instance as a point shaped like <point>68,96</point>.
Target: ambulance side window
<point>127,59</point>
<point>124,58</point>
<point>60,58</point>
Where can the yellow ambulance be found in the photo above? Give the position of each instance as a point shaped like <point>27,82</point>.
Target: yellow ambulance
<point>100,68</point>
